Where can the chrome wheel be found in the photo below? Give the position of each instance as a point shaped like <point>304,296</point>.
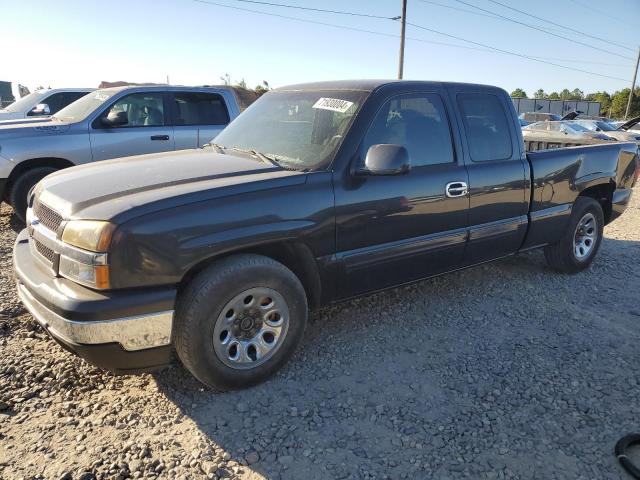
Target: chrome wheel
<point>251,328</point>
<point>585,236</point>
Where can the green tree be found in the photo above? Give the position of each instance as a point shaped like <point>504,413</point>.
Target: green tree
<point>565,94</point>
<point>577,94</point>
<point>539,94</point>
<point>519,93</point>
<point>262,88</point>
<point>554,96</point>
<point>619,102</point>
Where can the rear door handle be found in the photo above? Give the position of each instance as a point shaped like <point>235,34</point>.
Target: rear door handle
<point>456,189</point>
<point>159,137</point>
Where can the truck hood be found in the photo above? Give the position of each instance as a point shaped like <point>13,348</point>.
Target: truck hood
<point>126,187</point>
<point>32,129</point>
<point>4,115</point>
<point>26,121</point>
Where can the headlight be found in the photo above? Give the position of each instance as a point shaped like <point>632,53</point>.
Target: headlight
<point>81,266</point>
<point>88,234</point>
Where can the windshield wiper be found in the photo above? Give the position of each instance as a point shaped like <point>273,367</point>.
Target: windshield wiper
<point>265,158</point>
<point>260,156</point>
<point>217,147</point>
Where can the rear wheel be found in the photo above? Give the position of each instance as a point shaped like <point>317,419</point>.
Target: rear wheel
<point>578,246</point>
<point>239,321</point>
<point>21,187</point>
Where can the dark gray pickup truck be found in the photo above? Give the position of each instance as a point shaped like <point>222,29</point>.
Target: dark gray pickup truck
<point>315,194</point>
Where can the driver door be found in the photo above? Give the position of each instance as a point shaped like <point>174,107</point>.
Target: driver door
<point>147,129</point>
<point>396,229</point>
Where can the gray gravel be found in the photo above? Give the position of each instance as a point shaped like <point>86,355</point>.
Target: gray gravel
<point>503,371</point>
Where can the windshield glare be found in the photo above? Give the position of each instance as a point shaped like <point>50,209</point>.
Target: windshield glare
<point>299,129</point>
<point>605,127</point>
<point>82,107</point>
<point>577,127</point>
<point>25,102</point>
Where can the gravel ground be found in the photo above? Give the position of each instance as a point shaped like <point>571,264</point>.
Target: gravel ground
<point>502,371</point>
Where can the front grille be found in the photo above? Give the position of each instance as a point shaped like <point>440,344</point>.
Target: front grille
<point>48,217</point>
<point>43,250</point>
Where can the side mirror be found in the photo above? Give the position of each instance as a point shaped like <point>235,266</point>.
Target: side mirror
<point>115,119</point>
<point>40,109</point>
<point>386,159</point>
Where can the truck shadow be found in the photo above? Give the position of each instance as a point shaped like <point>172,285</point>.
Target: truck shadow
<point>372,389</point>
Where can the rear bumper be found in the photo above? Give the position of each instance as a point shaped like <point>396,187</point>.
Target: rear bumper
<point>127,331</point>
<point>620,202</point>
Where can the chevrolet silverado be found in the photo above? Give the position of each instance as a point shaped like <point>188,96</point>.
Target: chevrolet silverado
<point>317,193</point>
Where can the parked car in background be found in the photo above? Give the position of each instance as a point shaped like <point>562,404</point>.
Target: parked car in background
<point>316,194</point>
<point>42,103</point>
<point>532,117</point>
<point>545,135</point>
<point>631,126</point>
<point>609,130</point>
<point>109,123</point>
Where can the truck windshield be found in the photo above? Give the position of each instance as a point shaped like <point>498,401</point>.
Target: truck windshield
<point>81,108</point>
<point>25,102</point>
<point>299,129</point>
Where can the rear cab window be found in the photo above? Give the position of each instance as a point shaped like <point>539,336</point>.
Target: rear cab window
<point>199,108</point>
<point>487,127</point>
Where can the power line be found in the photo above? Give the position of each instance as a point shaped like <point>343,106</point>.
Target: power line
<point>311,9</point>
<point>604,12</point>
<point>563,26</point>
<point>514,53</point>
<point>546,31</point>
<point>485,48</point>
<point>472,12</point>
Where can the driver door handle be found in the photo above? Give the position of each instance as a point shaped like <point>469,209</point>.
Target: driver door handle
<point>456,189</point>
<point>159,137</point>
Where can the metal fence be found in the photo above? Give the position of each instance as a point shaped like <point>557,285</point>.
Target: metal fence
<point>560,107</point>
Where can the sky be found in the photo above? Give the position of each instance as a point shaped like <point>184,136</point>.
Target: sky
<point>78,43</point>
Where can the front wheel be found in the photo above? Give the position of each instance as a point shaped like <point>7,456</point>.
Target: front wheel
<point>21,187</point>
<point>239,321</point>
<point>578,246</point>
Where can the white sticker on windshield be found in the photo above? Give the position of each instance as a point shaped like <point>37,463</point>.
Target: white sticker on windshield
<point>101,96</point>
<point>334,104</point>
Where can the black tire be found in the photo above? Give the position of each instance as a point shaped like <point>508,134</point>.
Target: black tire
<point>200,306</point>
<point>22,185</point>
<point>562,255</point>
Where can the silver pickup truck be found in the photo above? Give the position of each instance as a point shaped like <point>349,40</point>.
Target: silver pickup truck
<point>110,123</point>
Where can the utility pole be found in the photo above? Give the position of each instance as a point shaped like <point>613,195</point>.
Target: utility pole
<point>633,86</point>
<point>402,35</point>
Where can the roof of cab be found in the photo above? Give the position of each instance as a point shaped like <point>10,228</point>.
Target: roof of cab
<point>370,85</point>
<point>176,88</point>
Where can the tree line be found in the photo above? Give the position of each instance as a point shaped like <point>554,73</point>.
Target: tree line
<point>611,105</point>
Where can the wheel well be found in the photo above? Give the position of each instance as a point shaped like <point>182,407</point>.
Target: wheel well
<point>603,193</point>
<point>26,165</point>
<point>297,257</point>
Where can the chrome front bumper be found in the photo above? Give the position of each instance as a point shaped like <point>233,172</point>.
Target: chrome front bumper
<point>132,333</point>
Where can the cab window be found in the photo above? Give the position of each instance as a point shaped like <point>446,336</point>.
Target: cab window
<point>142,109</point>
<point>418,122</point>
<point>487,127</point>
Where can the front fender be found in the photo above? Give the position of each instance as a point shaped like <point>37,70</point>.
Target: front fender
<point>160,248</point>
